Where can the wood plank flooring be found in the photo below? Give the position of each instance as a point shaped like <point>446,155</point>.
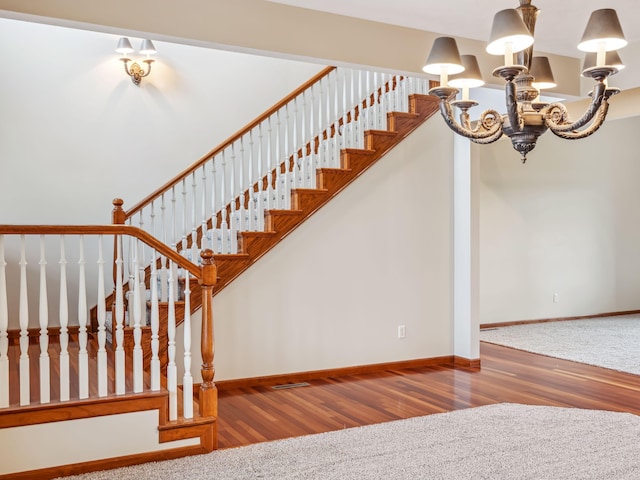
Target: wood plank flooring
<point>251,415</point>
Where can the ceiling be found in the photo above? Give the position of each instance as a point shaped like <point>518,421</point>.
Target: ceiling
<point>559,28</point>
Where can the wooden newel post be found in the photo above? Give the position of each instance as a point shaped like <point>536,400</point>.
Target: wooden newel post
<point>118,217</point>
<point>208,398</point>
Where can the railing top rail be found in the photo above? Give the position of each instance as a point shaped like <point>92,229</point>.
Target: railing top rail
<point>145,201</point>
<point>104,230</point>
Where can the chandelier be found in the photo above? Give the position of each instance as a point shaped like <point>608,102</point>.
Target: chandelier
<point>525,75</point>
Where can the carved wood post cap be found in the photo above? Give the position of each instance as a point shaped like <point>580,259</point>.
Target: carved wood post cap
<point>209,270</point>
<point>117,214</point>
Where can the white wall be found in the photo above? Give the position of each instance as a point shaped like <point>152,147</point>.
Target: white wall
<point>333,292</point>
<point>76,132</point>
<point>82,440</point>
<point>566,222</point>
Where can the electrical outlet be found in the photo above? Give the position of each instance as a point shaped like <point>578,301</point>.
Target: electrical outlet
<point>556,298</point>
<point>401,331</point>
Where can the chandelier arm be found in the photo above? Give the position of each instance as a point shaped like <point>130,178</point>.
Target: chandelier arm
<point>598,120</point>
<point>488,140</point>
<point>489,124</point>
<point>125,62</point>
<point>515,119</point>
<point>148,62</point>
<point>557,118</point>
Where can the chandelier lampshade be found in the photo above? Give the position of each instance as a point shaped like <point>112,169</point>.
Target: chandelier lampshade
<point>541,71</point>
<point>444,55</point>
<point>508,32</point>
<point>603,28</point>
<point>471,76</point>
<point>612,59</point>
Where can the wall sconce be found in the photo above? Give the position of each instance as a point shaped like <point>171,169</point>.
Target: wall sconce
<point>135,71</point>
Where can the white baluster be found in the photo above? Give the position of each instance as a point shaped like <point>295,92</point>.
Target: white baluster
<point>252,201</point>
<point>216,245</point>
<point>119,315</point>
<point>163,218</point>
<point>204,228</point>
<point>137,327</point>
<point>233,217</point>
<point>352,109</point>
<point>187,379</point>
<point>336,136</point>
<point>152,215</point>
<point>260,200</point>
<point>307,136</point>
<point>320,151</point>
<point>4,334</point>
<point>184,216</point>
<point>141,265</point>
<point>224,226</point>
<point>25,395</point>
<point>174,220</point>
<point>102,331</point>
<point>401,93</point>
<point>131,282</point>
<point>155,326</point>
<point>194,222</point>
<point>83,357</point>
<point>242,218</point>
<point>64,323</point>
<point>384,104</point>
<point>343,131</point>
<point>295,158</point>
<point>281,177</point>
<point>270,190</point>
<point>361,105</point>
<point>172,373</point>
<point>45,381</point>
<point>369,108</point>
<point>174,235</point>
<point>164,280</point>
<point>328,150</point>
<point>309,153</point>
<point>376,100</point>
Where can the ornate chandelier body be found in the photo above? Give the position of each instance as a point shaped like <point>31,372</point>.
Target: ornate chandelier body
<point>526,118</point>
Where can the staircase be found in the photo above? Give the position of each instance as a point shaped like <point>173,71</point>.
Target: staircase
<point>171,253</point>
<point>359,115</point>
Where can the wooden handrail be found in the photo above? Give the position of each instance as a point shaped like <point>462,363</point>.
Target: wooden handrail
<point>206,274</point>
<point>236,136</point>
<point>104,230</point>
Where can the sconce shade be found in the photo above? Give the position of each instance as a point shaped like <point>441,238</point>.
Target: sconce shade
<point>612,59</point>
<point>603,27</point>
<point>541,70</point>
<point>444,54</point>
<point>508,27</point>
<point>471,76</point>
<point>147,47</point>
<point>124,46</point>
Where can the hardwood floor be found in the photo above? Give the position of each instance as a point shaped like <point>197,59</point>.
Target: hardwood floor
<point>257,414</point>
<point>251,415</point>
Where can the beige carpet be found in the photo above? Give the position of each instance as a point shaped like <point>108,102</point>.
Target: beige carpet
<point>505,441</point>
<point>610,342</point>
